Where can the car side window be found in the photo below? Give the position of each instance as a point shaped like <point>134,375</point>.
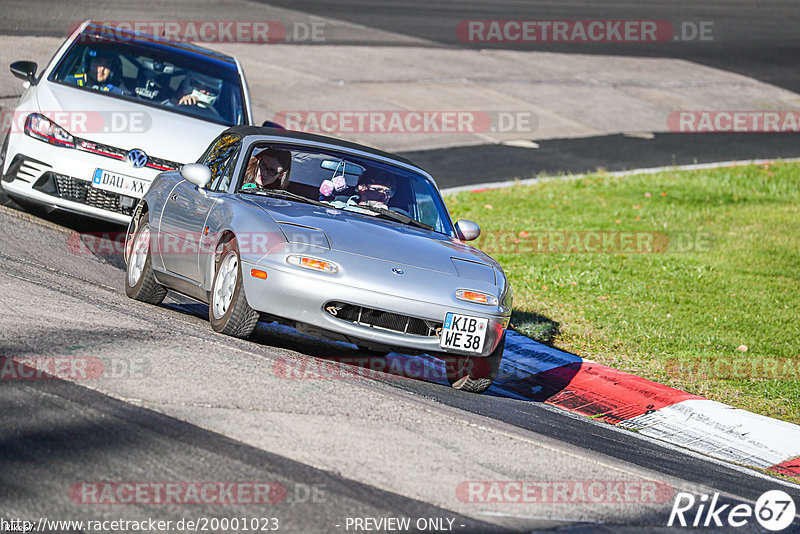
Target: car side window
<point>221,160</point>
<point>426,205</point>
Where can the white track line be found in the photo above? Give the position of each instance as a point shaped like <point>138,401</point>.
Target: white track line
<point>721,431</point>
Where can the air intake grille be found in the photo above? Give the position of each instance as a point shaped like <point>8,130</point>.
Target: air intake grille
<point>70,188</point>
<point>382,319</point>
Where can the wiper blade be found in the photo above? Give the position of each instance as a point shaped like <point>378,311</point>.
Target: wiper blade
<point>281,193</point>
<point>394,216</point>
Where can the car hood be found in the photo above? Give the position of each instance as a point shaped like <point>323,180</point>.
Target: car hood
<point>159,133</point>
<point>380,239</point>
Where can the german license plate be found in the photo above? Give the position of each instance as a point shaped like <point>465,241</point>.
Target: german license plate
<point>462,332</point>
<point>119,183</point>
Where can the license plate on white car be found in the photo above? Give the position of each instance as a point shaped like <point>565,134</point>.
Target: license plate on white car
<point>462,332</point>
<point>119,183</point>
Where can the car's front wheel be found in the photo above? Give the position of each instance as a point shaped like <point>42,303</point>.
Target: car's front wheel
<point>228,310</point>
<point>3,154</point>
<point>473,373</point>
<point>140,282</point>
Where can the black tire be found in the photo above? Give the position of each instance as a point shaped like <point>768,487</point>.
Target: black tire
<point>473,373</point>
<point>239,319</point>
<point>3,154</point>
<point>145,288</point>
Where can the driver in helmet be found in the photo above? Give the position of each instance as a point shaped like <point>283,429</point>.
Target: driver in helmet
<point>200,90</point>
<point>104,68</point>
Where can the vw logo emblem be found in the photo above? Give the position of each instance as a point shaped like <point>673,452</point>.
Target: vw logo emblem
<point>137,158</point>
<point>398,271</point>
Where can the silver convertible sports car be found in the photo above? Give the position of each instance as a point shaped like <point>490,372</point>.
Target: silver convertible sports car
<point>339,240</point>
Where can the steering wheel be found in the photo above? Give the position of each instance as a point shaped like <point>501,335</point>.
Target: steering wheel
<point>201,111</point>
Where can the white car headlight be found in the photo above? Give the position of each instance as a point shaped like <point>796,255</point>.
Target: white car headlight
<point>40,127</point>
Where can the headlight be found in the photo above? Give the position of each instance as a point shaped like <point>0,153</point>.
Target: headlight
<point>476,297</point>
<point>313,263</point>
<point>42,128</point>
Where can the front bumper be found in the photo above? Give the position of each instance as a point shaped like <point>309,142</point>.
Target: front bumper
<point>61,177</point>
<point>300,297</point>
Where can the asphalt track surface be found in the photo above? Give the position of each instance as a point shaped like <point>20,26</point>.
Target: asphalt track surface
<point>755,39</point>
<point>57,432</point>
<point>495,163</point>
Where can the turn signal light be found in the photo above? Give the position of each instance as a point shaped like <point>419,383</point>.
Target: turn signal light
<point>255,273</point>
<point>476,296</point>
<point>313,264</point>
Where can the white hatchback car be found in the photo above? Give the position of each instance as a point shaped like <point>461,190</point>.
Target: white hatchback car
<point>111,111</point>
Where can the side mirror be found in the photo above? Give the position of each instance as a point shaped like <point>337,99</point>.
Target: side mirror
<point>24,70</point>
<point>197,174</point>
<point>468,230</point>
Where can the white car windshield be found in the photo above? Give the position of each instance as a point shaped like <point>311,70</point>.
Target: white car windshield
<point>176,80</point>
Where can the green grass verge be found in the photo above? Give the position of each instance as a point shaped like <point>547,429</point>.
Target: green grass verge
<point>712,309</point>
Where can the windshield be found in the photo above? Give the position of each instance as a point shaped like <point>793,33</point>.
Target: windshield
<point>346,182</point>
<point>181,83</point>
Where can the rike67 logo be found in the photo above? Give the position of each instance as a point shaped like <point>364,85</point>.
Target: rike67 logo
<point>774,510</point>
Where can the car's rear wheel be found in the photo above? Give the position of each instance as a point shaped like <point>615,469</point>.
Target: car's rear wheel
<point>140,282</point>
<point>228,310</point>
<point>473,373</point>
